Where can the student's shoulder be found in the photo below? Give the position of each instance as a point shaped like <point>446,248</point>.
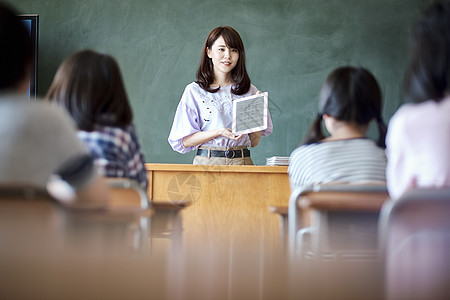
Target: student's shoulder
<point>300,156</point>
<point>365,144</point>
<point>48,112</point>
<point>36,117</point>
<point>303,150</point>
<point>405,116</point>
<point>33,110</point>
<point>410,112</point>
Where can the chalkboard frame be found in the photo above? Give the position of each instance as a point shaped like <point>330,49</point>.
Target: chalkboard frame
<point>31,21</point>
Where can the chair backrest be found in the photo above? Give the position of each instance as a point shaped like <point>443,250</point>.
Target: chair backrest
<point>343,198</point>
<point>30,219</point>
<point>165,220</point>
<point>43,242</point>
<point>415,235</point>
<point>127,193</point>
<point>23,192</point>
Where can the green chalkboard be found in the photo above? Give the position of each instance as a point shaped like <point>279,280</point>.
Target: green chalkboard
<point>291,46</point>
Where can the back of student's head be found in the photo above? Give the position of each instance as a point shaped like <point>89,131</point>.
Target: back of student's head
<point>90,87</point>
<point>352,95</point>
<point>16,49</point>
<point>428,74</point>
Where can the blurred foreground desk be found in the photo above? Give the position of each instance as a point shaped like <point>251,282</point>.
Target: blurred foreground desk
<point>226,201</point>
<point>230,239</point>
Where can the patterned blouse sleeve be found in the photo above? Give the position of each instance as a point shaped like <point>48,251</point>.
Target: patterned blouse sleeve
<point>185,123</point>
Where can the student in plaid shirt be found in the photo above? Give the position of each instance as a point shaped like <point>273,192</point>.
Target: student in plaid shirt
<point>89,86</point>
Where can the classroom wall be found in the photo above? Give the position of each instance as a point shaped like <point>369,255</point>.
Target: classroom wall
<point>291,46</point>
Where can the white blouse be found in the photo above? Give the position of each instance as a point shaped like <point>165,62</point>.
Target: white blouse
<point>200,110</point>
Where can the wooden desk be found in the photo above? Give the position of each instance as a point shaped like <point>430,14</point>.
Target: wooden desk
<point>227,226</point>
<point>226,201</point>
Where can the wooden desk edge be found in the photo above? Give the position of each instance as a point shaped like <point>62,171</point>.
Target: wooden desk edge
<point>370,203</point>
<point>215,168</point>
<point>169,205</point>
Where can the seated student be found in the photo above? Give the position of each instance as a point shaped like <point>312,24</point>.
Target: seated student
<point>418,140</point>
<point>38,141</point>
<point>89,86</point>
<point>349,100</point>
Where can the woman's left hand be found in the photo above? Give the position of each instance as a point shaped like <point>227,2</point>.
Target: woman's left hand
<point>229,134</point>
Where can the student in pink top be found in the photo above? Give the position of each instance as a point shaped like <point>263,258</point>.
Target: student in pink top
<point>418,139</point>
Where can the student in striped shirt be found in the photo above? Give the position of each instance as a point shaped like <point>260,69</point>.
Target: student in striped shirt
<point>349,100</point>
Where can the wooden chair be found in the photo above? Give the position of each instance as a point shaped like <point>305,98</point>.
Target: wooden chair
<point>24,211</point>
<point>282,212</point>
<point>415,242</point>
<point>335,222</point>
<point>23,192</point>
<point>165,221</point>
<point>127,193</point>
<point>31,218</point>
<point>50,251</point>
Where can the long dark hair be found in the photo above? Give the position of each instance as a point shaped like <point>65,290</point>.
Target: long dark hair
<point>89,86</point>
<point>428,74</point>
<point>15,48</point>
<point>349,94</point>
<point>205,72</point>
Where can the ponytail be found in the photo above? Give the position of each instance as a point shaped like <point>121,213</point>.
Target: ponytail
<point>314,133</point>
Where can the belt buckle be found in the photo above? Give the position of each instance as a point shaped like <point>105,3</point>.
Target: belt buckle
<point>229,154</point>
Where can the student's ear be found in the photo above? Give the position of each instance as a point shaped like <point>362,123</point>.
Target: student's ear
<point>208,52</point>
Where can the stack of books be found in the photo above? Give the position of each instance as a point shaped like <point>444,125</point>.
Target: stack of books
<point>277,161</point>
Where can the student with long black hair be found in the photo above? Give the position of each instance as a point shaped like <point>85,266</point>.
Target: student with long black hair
<point>418,140</point>
<point>350,100</point>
